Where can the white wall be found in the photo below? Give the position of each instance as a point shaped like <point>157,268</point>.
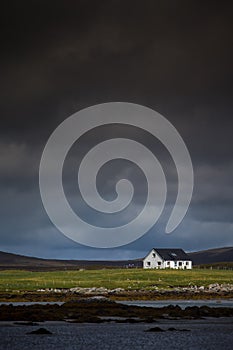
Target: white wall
<point>179,264</point>
<point>154,261</point>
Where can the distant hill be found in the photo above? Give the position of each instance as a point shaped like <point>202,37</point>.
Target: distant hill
<point>15,261</point>
<point>212,256</point>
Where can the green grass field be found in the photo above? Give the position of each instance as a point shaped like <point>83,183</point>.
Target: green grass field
<point>115,278</point>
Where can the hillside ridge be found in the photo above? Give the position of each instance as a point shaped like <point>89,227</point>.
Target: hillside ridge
<point>17,261</point>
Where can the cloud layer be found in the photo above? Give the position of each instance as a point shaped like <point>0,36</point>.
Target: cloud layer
<point>57,58</point>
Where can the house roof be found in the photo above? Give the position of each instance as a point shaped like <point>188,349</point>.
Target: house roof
<point>172,254</point>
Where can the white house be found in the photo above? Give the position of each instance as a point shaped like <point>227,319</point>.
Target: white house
<point>167,258</point>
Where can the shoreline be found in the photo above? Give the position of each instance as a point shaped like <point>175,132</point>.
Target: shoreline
<point>101,309</point>
<point>54,296</point>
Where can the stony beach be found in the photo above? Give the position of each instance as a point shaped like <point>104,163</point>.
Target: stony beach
<point>212,291</point>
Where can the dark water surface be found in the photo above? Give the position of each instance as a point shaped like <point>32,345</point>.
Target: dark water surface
<point>204,334</point>
<point>150,303</point>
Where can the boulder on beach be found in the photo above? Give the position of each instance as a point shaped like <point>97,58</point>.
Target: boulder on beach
<point>172,329</point>
<point>155,329</point>
<point>40,331</point>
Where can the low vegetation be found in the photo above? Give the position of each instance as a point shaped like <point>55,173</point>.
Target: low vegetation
<point>129,279</point>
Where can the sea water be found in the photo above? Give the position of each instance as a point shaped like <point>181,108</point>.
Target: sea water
<point>203,334</point>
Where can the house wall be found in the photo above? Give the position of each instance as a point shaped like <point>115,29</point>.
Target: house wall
<point>182,264</point>
<point>154,261</point>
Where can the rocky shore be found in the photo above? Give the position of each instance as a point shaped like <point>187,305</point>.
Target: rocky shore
<point>101,309</point>
<point>212,291</point>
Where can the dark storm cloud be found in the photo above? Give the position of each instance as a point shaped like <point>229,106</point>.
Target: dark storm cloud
<point>59,57</point>
<point>153,52</point>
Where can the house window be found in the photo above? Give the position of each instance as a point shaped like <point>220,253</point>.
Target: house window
<point>180,263</point>
<point>168,263</point>
<point>153,255</point>
<point>187,262</point>
<point>159,263</point>
<point>148,263</point>
<point>175,263</point>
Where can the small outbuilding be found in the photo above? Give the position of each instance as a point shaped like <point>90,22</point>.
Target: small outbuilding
<point>167,258</point>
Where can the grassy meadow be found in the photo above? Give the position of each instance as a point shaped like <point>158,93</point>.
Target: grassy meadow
<point>17,280</point>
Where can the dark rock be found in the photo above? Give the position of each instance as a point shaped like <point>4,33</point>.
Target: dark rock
<point>131,320</point>
<point>40,331</point>
<point>155,329</point>
<point>193,311</point>
<point>150,320</point>
<point>172,329</point>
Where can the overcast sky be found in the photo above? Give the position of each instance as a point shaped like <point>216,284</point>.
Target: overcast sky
<point>58,57</point>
